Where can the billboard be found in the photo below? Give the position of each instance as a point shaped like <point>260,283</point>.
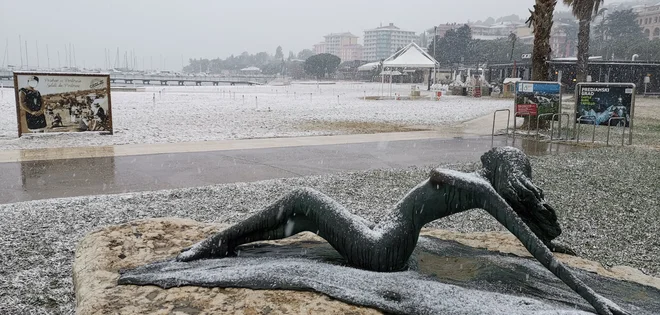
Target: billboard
<point>601,101</point>
<point>535,98</point>
<point>62,102</point>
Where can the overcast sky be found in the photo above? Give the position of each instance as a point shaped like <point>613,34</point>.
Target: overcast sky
<point>165,31</point>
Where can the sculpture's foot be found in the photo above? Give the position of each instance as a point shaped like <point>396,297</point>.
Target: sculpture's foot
<point>208,248</point>
<point>560,248</point>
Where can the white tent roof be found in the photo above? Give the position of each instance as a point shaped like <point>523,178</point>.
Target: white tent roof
<point>251,69</point>
<point>369,66</point>
<point>411,56</point>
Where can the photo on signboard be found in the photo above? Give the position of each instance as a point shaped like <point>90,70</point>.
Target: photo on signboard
<point>536,98</point>
<point>51,102</point>
<point>604,104</point>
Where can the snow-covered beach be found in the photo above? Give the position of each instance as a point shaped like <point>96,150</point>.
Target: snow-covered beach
<point>172,114</point>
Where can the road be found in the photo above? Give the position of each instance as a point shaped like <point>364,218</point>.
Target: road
<point>55,178</point>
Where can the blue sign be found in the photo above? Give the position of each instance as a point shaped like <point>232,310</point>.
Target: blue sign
<point>534,98</point>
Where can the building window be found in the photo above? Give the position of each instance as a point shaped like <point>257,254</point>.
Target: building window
<point>656,32</point>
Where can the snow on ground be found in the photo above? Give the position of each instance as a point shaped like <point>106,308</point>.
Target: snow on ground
<point>204,113</point>
<point>609,217</point>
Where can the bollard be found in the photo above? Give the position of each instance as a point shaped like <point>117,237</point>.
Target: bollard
<point>365,95</point>
<point>337,99</point>
<point>154,98</point>
<point>310,97</point>
<point>256,103</point>
<point>243,96</point>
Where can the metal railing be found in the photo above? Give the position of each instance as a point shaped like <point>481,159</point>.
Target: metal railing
<point>552,125</point>
<point>515,127</point>
<point>508,118</point>
<point>579,127</point>
<point>538,121</point>
<point>623,134</point>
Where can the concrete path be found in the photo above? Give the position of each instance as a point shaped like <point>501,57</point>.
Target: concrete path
<point>33,179</point>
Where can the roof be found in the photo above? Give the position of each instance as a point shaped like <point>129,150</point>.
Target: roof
<point>489,37</point>
<point>251,69</point>
<point>369,66</point>
<point>341,34</point>
<point>411,56</point>
<point>575,58</point>
<point>512,80</point>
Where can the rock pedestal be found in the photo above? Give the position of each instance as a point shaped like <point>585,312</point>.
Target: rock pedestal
<point>102,254</point>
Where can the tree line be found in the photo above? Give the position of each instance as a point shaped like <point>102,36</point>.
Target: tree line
<point>458,47</point>
<point>269,64</point>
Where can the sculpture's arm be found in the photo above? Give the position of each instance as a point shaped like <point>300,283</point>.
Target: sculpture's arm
<point>509,171</point>
<point>484,196</point>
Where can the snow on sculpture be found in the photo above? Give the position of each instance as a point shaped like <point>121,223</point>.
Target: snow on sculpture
<point>503,188</point>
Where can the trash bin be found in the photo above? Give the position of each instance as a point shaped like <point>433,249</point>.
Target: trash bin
<point>438,94</point>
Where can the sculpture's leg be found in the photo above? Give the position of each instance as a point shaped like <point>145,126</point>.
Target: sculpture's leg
<point>301,210</point>
<point>484,196</point>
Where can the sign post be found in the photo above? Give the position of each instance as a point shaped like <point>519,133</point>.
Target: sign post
<point>62,102</point>
<point>537,97</point>
<point>605,102</point>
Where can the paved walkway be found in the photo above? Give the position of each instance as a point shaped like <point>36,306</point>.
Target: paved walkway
<point>106,173</point>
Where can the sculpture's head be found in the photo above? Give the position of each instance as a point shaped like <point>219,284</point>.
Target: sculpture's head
<point>509,171</point>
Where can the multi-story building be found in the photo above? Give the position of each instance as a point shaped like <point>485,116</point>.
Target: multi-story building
<point>342,45</point>
<point>336,41</point>
<point>649,20</point>
<point>426,38</point>
<point>495,31</point>
<point>320,48</point>
<point>382,42</point>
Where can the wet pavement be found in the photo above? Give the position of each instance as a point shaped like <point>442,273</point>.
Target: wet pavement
<point>43,179</point>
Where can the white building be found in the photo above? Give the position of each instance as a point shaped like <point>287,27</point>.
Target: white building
<point>382,42</point>
<point>648,18</point>
<point>342,45</point>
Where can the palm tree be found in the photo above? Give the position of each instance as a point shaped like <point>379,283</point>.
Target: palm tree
<point>541,20</point>
<point>584,10</point>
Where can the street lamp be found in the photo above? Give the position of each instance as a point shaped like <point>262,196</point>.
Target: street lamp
<point>435,38</point>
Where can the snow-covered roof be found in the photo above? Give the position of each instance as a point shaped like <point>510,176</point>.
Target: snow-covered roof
<point>575,58</point>
<point>369,66</point>
<point>251,69</point>
<point>488,37</point>
<point>411,56</point>
<point>511,80</point>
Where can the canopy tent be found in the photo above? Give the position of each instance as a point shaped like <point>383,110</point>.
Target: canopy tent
<point>390,72</point>
<point>411,56</point>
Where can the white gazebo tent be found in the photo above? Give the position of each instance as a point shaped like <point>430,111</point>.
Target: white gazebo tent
<point>410,57</point>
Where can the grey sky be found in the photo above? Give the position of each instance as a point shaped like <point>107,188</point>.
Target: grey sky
<point>167,30</point>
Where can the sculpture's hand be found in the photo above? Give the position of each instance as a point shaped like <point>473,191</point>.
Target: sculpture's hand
<point>606,307</point>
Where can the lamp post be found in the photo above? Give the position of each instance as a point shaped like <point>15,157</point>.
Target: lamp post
<point>435,38</point>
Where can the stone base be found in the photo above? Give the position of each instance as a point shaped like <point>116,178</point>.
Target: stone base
<point>101,254</point>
